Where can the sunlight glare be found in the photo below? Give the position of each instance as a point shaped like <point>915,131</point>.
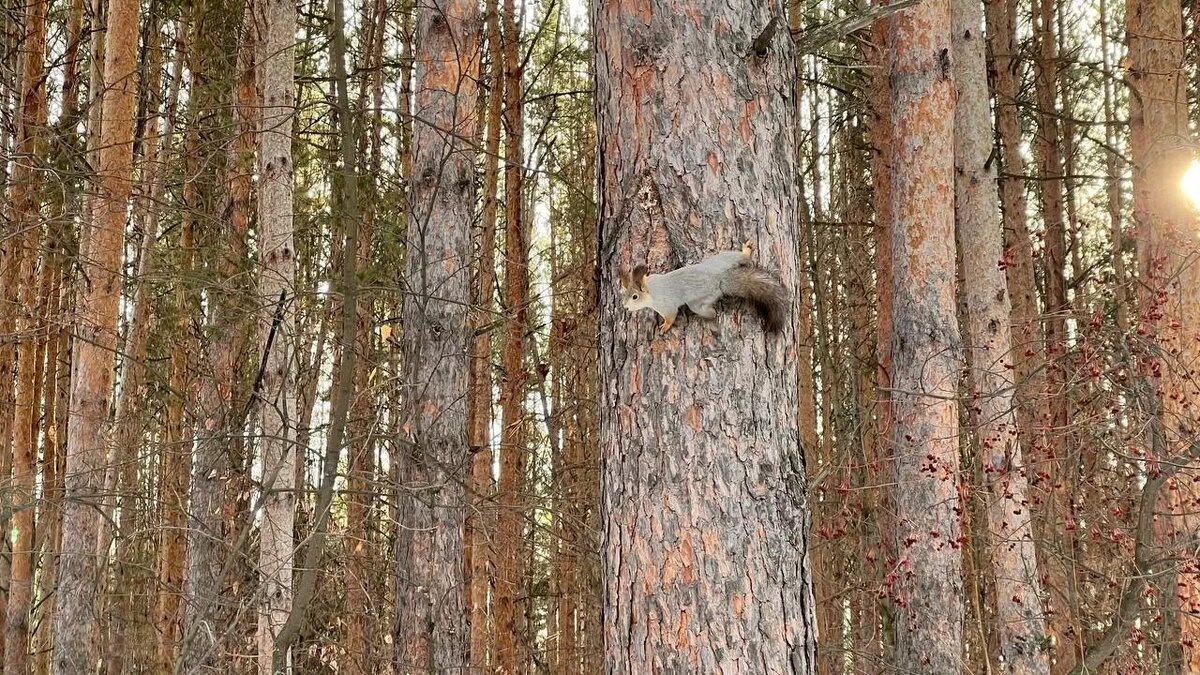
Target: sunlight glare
<point>1191,183</point>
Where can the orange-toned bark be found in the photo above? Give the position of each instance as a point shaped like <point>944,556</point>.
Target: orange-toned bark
<point>514,435</point>
<point>927,589</point>
<point>96,326</point>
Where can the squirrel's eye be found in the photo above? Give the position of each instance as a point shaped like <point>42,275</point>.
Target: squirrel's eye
<point>635,296</point>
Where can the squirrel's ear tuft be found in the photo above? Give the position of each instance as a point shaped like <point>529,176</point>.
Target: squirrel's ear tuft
<point>639,277</point>
<point>626,281</point>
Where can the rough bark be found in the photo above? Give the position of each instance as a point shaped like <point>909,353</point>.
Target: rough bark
<point>431,627</point>
<point>275,21</point>
<point>1169,305</point>
<point>1018,613</point>
<point>514,432</point>
<point>705,555</point>
<point>96,326</point>
<point>25,246</point>
<point>928,590</point>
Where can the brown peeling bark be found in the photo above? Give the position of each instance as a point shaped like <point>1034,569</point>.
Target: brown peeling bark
<point>705,556</point>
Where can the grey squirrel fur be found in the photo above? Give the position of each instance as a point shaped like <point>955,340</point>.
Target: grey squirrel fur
<point>700,286</point>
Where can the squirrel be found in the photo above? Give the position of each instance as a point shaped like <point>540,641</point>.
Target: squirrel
<point>699,286</point>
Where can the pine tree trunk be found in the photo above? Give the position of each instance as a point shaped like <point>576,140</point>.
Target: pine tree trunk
<point>510,575</point>
<point>928,590</point>
<point>27,242</point>
<point>705,556</point>
<point>878,547</point>
<point>96,325</point>
<point>482,516</point>
<point>1053,502</point>
<point>275,21</point>
<point>1018,613</point>
<point>362,589</point>
<point>1028,354</point>
<point>1170,278</point>
<point>431,627</point>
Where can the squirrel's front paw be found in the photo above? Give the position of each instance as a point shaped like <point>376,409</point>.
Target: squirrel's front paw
<point>666,324</point>
<point>748,248</point>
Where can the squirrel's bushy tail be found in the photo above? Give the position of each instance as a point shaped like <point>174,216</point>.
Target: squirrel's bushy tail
<point>763,289</point>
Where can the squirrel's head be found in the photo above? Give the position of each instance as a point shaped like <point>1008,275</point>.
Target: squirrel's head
<point>635,294</point>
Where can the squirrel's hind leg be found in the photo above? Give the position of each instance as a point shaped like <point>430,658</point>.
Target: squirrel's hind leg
<point>747,250</point>
<point>704,309</point>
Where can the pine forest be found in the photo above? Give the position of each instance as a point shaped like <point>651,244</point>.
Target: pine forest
<point>568,337</point>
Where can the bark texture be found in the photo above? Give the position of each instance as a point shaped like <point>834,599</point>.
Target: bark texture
<point>96,325</point>
<point>1018,613</point>
<point>705,551</point>
<point>275,22</point>
<point>431,630</point>
<point>928,590</point>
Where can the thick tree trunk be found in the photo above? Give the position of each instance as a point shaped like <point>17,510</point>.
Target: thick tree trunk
<point>275,22</point>
<point>706,551</point>
<point>25,246</point>
<point>1170,276</point>
<point>431,627</point>
<point>510,567</point>
<point>96,324</point>
<point>1018,614</point>
<point>928,590</point>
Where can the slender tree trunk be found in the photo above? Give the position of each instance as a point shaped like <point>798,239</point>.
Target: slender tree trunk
<point>928,590</point>
<point>1053,501</point>
<point>878,547</point>
<point>431,628</point>
<point>1018,613</point>
<point>25,247</point>
<point>1028,347</point>
<point>686,430</point>
<point>276,26</point>
<point>1170,276</point>
<point>361,593</point>
<point>96,324</point>
<point>482,516</point>
<point>510,576</point>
